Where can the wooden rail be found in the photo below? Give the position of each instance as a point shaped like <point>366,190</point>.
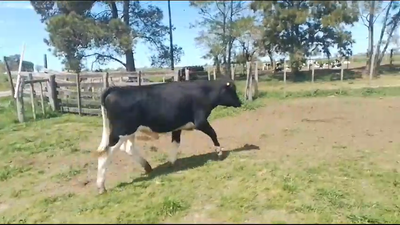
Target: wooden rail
<point>79,93</point>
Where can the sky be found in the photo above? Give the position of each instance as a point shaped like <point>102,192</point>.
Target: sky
<point>20,25</point>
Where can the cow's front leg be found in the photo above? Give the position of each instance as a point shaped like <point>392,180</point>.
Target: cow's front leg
<point>176,140</point>
<point>206,128</point>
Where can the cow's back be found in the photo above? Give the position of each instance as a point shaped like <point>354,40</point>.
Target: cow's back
<point>161,107</point>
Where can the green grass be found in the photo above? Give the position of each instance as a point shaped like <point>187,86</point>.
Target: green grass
<point>4,84</point>
<point>41,160</point>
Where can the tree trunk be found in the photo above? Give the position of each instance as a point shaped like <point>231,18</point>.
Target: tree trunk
<point>224,38</point>
<point>379,61</point>
<point>370,37</point>
<point>217,65</point>
<point>230,42</point>
<point>130,60</point>
<point>170,36</point>
<point>271,59</point>
<point>379,55</point>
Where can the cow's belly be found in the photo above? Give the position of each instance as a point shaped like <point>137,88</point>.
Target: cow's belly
<point>187,126</point>
<point>154,134</point>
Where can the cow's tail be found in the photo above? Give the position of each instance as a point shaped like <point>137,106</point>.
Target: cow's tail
<point>104,95</point>
<point>103,147</point>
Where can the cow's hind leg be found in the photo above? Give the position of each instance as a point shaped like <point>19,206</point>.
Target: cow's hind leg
<point>106,132</point>
<point>132,150</point>
<point>115,142</point>
<point>176,140</point>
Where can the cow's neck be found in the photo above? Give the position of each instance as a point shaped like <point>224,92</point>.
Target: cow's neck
<point>213,95</point>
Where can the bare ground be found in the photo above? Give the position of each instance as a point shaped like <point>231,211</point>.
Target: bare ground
<point>307,160</point>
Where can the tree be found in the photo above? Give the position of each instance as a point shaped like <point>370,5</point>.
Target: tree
<point>301,28</point>
<point>369,13</point>
<point>110,33</point>
<point>390,24</point>
<point>217,21</point>
<point>247,34</point>
<point>38,68</point>
<point>13,63</point>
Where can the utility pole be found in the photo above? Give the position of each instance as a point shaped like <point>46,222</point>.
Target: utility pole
<point>170,36</point>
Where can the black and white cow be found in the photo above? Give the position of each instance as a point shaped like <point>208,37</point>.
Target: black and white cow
<point>160,108</point>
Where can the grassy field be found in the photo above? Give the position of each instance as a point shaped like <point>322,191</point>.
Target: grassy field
<point>314,157</point>
<point>4,85</point>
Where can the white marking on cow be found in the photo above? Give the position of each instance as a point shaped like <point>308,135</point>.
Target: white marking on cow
<point>174,152</point>
<point>219,150</point>
<point>106,131</point>
<point>188,126</point>
<point>104,160</point>
<point>133,151</point>
<point>149,134</point>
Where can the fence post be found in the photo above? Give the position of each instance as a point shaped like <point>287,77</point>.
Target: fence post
<point>10,80</point>
<point>284,78</point>
<point>20,101</point>
<point>52,89</point>
<point>391,57</point>
<point>33,99</point>
<point>209,74</point>
<point>341,75</point>
<point>176,75</point>
<point>256,72</point>
<point>312,72</point>
<point>42,100</point>
<point>45,61</point>
<point>214,74</point>
<point>105,80</point>
<point>78,87</point>
<point>232,72</point>
<point>248,93</point>
<point>140,78</point>
<point>187,74</point>
<point>341,71</point>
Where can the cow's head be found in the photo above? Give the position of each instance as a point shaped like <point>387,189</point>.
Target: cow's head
<point>228,96</point>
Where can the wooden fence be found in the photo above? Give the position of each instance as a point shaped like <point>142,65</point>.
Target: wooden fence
<point>80,93</point>
<point>76,93</point>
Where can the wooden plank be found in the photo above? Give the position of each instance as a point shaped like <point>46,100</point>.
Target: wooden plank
<point>161,73</point>
<point>33,99</point>
<point>157,75</point>
<point>83,110</point>
<point>85,103</point>
<point>93,75</point>
<point>52,89</point>
<point>71,77</point>
<point>10,78</point>
<point>28,95</point>
<point>83,85</point>
<point>42,100</point>
<point>99,85</point>
<point>20,102</point>
<point>36,81</point>
<point>34,74</point>
<point>75,93</point>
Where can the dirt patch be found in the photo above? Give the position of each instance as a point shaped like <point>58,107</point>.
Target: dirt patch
<point>281,130</point>
<point>277,148</point>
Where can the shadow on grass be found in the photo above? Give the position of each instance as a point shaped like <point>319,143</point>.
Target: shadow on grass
<point>188,163</point>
